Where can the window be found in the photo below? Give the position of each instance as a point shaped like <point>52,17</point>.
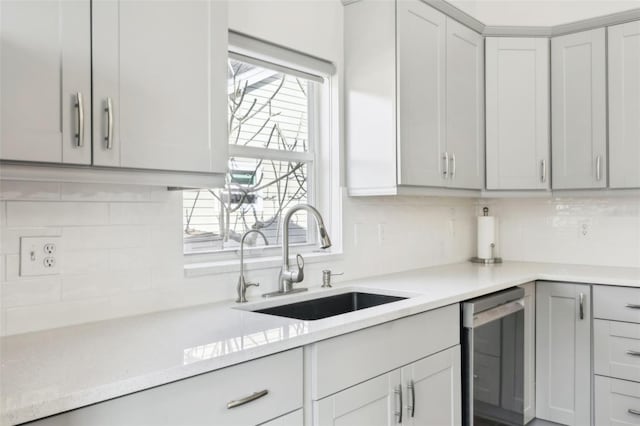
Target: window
<point>273,116</point>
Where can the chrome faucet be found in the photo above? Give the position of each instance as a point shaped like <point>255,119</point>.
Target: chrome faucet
<point>288,277</point>
<point>242,284</point>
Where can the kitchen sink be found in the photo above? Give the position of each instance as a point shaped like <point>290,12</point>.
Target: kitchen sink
<point>330,306</point>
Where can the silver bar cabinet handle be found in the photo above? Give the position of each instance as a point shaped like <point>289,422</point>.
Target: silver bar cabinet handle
<point>79,105</point>
<point>109,136</point>
<point>411,389</point>
<point>598,168</point>
<point>633,353</point>
<point>247,399</point>
<point>453,166</point>
<point>445,157</point>
<point>633,306</point>
<point>543,171</point>
<point>398,412</point>
<point>632,411</point>
<point>581,298</point>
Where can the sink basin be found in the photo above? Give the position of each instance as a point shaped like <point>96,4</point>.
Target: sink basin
<point>330,306</point>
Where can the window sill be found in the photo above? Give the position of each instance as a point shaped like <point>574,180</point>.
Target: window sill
<point>253,264</point>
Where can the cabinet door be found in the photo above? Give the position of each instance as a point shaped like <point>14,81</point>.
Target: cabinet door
<point>578,86</point>
<point>166,81</point>
<point>624,105</point>
<point>465,103</point>
<point>421,99</point>
<point>517,99</point>
<point>433,389</point>
<point>563,353</point>
<point>45,64</point>
<point>371,403</point>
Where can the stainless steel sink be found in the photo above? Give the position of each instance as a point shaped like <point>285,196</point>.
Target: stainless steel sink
<point>330,306</point>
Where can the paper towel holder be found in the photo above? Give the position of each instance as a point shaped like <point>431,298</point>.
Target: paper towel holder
<point>492,259</point>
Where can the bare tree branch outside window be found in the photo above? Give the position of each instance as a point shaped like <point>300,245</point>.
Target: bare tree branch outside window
<point>268,110</point>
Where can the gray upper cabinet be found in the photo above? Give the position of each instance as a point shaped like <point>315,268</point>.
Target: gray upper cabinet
<point>624,105</point>
<point>116,83</point>
<point>159,87</point>
<point>414,100</point>
<point>579,110</point>
<point>465,107</point>
<point>517,113</point>
<point>45,81</point>
<point>421,94</point>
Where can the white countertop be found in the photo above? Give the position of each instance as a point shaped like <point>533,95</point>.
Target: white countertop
<point>48,372</point>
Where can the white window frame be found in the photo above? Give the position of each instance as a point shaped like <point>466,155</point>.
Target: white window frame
<point>324,188</point>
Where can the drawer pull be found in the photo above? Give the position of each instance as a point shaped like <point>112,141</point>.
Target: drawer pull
<point>633,353</point>
<point>247,399</point>
<point>632,411</point>
<point>633,306</point>
<point>399,407</point>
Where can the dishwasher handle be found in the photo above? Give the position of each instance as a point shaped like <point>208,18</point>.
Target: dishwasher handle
<point>500,311</point>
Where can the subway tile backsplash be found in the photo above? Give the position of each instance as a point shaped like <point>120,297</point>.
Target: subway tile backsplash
<point>121,250</point>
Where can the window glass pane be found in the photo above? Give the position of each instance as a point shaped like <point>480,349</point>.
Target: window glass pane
<point>267,109</point>
<point>258,192</point>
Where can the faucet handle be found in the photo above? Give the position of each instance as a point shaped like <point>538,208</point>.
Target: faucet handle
<point>251,285</point>
<point>300,272</point>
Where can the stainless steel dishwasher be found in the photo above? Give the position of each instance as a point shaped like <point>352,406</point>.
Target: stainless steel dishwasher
<point>493,359</point>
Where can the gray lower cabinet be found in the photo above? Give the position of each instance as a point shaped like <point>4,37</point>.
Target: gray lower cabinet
<point>563,353</point>
<point>616,353</point>
<point>204,399</point>
<point>426,392</point>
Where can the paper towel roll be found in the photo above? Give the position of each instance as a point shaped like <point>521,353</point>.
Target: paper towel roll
<point>486,236</point>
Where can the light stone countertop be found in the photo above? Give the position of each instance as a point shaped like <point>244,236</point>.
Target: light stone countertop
<point>52,371</point>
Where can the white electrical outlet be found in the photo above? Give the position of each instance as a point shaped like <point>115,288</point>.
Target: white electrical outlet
<point>39,256</point>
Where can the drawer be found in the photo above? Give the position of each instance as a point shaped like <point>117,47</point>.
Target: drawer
<point>616,303</point>
<point>617,402</point>
<point>202,400</point>
<point>352,358</point>
<point>616,349</point>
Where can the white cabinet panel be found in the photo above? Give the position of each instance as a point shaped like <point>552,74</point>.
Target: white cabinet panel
<point>45,60</point>
<point>202,400</point>
<point>425,392</point>
<point>465,106</point>
<point>371,403</point>
<point>578,74</point>
<point>529,400</point>
<point>616,349</point>
<point>436,395</point>
<point>517,100</point>
<point>421,99</point>
<point>624,105</point>
<point>617,402</point>
<point>563,353</point>
<point>616,303</point>
<point>167,83</point>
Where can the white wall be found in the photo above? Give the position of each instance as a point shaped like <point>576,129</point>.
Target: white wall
<point>589,230</point>
<point>540,12</point>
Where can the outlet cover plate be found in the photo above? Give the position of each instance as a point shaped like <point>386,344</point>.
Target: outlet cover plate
<point>34,258</point>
